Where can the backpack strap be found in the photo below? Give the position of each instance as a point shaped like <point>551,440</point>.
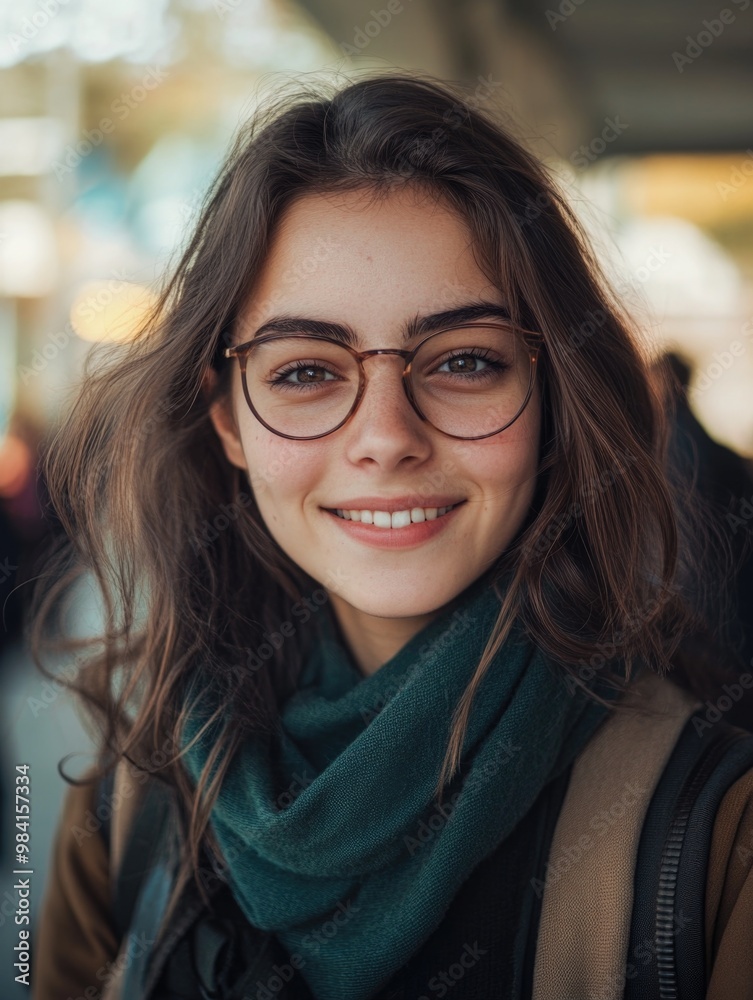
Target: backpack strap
<point>133,812</point>
<point>586,909</point>
<point>667,950</point>
<point>138,851</point>
<point>144,877</point>
<point>137,811</point>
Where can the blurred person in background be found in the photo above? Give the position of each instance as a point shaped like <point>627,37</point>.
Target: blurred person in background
<point>724,481</point>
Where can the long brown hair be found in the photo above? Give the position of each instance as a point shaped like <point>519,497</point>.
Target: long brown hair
<point>192,583</point>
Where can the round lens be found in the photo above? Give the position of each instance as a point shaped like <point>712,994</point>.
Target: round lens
<point>473,381</point>
<point>301,386</point>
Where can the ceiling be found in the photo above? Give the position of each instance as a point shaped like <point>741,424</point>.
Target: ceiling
<point>564,67</point>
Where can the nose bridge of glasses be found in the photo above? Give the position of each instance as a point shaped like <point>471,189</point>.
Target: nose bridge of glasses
<point>364,355</point>
<point>402,355</point>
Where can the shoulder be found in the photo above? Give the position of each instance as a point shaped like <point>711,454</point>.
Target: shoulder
<point>76,936</point>
<point>729,895</point>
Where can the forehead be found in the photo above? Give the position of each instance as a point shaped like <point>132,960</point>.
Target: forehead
<point>367,261</point>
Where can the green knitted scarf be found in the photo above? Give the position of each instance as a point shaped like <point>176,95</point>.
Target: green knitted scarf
<point>335,841</point>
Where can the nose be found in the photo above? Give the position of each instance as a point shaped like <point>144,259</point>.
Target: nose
<point>385,428</point>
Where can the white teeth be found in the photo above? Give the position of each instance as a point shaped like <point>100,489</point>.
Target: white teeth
<point>398,519</point>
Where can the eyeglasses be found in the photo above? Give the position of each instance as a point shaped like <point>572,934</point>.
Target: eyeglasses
<point>470,382</point>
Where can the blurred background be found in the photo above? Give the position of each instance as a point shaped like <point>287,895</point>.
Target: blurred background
<point>114,117</point>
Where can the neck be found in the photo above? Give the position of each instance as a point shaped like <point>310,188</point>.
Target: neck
<point>373,641</point>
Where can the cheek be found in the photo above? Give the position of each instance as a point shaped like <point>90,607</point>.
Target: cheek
<point>509,457</point>
<point>505,469</point>
<point>525,439</point>
<point>523,463</point>
<point>511,479</point>
<point>281,472</point>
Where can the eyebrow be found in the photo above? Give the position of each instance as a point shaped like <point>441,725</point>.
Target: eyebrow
<point>417,326</point>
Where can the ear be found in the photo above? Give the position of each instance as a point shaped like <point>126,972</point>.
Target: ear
<point>224,422</point>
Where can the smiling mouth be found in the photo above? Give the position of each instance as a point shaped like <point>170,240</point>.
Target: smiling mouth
<point>395,520</point>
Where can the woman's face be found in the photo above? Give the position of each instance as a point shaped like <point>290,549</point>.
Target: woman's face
<point>374,265</point>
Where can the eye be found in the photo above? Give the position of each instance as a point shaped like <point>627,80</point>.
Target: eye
<point>309,373</point>
<point>473,362</point>
<point>464,361</point>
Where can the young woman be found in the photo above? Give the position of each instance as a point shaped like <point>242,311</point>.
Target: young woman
<point>394,574</point>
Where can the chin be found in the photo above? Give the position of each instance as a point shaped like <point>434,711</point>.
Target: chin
<point>392,606</point>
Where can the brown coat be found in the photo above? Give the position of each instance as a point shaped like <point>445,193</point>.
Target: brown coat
<point>585,920</point>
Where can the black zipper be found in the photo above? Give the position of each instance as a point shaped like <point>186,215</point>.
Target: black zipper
<point>664,932</point>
